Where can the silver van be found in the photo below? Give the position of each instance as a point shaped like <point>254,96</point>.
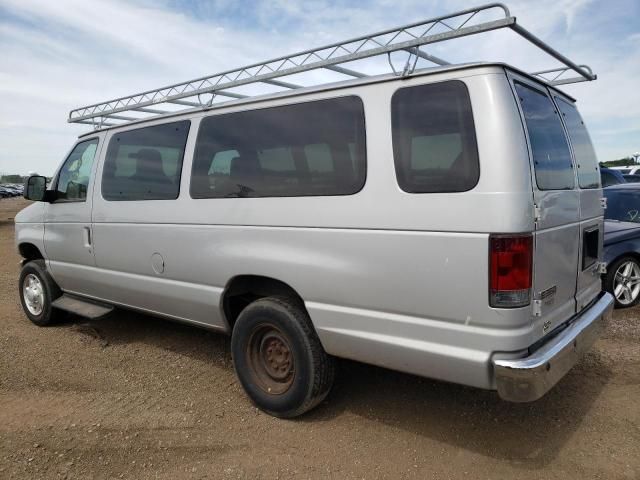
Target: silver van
<point>445,222</point>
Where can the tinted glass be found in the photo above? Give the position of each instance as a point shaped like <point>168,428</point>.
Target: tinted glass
<point>587,163</point>
<point>74,176</point>
<point>623,205</point>
<point>551,155</point>
<point>434,140</point>
<point>314,148</point>
<point>607,178</point>
<point>145,164</point>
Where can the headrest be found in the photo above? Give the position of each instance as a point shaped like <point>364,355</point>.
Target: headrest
<point>149,162</point>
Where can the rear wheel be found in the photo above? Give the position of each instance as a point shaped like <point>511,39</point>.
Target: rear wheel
<point>37,292</point>
<point>278,357</point>
<point>623,281</point>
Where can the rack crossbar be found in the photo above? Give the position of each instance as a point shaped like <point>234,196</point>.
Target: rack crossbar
<point>408,38</point>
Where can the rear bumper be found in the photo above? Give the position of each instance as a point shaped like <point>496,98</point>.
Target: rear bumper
<point>529,378</point>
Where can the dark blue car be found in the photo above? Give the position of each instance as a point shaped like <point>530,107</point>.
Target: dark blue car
<point>622,243</point>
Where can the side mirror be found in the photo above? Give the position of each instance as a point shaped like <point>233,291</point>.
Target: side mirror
<point>35,188</point>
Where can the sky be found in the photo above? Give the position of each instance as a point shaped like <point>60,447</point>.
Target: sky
<point>63,54</point>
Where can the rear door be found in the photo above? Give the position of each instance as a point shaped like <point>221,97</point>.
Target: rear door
<point>591,210</point>
<point>556,204</point>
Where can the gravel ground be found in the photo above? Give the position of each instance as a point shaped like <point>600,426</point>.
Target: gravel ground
<point>131,396</point>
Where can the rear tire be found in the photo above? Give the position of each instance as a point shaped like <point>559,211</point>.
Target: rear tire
<point>623,281</point>
<point>279,359</point>
<point>37,292</point>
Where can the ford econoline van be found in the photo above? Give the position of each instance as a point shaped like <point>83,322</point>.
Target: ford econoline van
<point>447,223</point>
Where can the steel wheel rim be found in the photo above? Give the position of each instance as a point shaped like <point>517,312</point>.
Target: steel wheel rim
<point>626,282</point>
<point>270,359</point>
<point>33,294</point>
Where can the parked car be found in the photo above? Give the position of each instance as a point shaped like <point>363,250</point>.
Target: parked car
<point>610,176</point>
<point>622,243</point>
<point>622,254</point>
<point>12,190</point>
<point>9,191</point>
<point>631,178</point>
<point>627,170</point>
<point>381,219</point>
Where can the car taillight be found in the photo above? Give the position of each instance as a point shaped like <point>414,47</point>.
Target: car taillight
<point>510,270</point>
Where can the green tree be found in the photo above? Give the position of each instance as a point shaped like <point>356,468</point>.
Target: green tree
<point>622,162</point>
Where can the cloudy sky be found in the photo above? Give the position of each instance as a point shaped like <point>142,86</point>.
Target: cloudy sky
<point>58,55</point>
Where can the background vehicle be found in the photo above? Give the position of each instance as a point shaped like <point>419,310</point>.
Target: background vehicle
<point>11,190</point>
<point>622,243</point>
<point>627,170</point>
<point>610,176</point>
<point>631,177</point>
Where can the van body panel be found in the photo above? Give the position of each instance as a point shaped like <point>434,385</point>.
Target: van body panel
<point>185,301</point>
<point>30,227</point>
<point>391,278</point>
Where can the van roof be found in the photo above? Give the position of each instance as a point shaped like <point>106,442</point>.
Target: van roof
<point>337,57</point>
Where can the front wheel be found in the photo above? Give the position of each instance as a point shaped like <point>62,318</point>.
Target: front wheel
<point>278,357</point>
<point>37,291</point>
<point>623,281</point>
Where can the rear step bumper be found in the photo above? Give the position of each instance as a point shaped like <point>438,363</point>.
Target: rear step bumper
<point>529,378</point>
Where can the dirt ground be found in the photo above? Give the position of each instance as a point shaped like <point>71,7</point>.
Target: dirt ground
<point>131,396</point>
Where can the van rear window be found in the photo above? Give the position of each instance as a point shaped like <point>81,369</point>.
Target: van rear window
<point>307,149</point>
<point>588,173</point>
<point>434,140</point>
<point>551,155</point>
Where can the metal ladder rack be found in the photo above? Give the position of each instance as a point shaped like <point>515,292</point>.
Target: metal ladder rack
<point>408,38</point>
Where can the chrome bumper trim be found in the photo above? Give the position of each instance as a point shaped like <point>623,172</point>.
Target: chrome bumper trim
<point>527,379</point>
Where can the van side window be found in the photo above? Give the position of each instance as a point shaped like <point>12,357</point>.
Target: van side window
<point>551,155</point>
<point>145,164</point>
<point>73,179</point>
<point>307,149</point>
<point>585,155</point>
<point>434,140</point>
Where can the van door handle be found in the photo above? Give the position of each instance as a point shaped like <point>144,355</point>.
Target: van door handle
<point>87,237</point>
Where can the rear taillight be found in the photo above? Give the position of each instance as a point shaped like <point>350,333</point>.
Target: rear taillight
<point>510,270</point>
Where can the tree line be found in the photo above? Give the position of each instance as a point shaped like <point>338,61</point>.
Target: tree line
<point>12,179</point>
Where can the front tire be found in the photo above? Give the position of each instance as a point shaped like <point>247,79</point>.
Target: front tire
<point>37,292</point>
<point>279,359</point>
<point>623,281</point>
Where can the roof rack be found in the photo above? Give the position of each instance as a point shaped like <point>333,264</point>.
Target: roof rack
<point>201,92</point>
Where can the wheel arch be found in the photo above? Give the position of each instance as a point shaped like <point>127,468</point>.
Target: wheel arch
<point>29,252</point>
<point>617,251</point>
<point>241,290</point>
